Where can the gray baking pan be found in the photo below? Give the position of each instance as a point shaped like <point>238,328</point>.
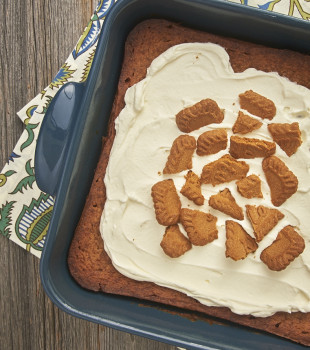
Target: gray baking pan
<point>68,149</point>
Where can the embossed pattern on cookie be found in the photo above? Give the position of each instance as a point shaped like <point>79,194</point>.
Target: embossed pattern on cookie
<point>244,147</point>
<point>167,203</point>
<point>250,187</point>
<point>226,203</point>
<point>200,114</point>
<point>174,243</point>
<point>287,247</point>
<point>282,182</point>
<point>238,242</point>
<point>287,136</point>
<point>245,124</point>
<point>211,142</point>
<point>263,219</point>
<point>181,152</point>
<point>223,170</point>
<point>192,188</point>
<point>200,227</point>
<point>257,104</point>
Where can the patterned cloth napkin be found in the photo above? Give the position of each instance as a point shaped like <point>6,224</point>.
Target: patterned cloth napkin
<point>25,211</point>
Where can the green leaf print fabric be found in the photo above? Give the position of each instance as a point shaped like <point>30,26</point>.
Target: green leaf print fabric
<point>25,211</point>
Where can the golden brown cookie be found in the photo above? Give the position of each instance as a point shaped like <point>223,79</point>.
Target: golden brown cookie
<point>226,203</point>
<point>192,188</point>
<point>257,104</point>
<point>200,114</point>
<point>282,182</point>
<point>287,247</point>
<point>167,203</point>
<point>211,142</point>
<point>287,136</point>
<point>250,187</point>
<point>200,227</point>
<point>223,170</point>
<point>238,242</point>
<point>245,124</point>
<point>244,147</point>
<point>263,219</point>
<point>174,243</point>
<point>181,152</point>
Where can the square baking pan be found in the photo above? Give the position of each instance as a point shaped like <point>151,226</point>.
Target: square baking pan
<point>68,149</point>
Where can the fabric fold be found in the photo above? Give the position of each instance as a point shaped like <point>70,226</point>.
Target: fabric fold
<point>25,211</point>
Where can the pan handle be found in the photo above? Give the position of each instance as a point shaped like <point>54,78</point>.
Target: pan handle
<point>52,144</point>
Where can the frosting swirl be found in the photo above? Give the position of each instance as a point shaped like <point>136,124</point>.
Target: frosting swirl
<point>145,130</point>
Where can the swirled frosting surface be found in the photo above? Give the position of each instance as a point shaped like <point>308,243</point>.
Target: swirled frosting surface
<point>145,130</point>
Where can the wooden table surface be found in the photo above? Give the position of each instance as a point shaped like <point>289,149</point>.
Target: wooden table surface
<point>36,38</point>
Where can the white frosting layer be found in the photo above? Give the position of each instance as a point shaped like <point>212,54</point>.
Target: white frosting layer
<point>145,130</point>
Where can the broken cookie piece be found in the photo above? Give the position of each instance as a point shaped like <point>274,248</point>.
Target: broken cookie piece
<point>180,157</point>
<point>211,142</point>
<point>192,188</point>
<point>287,247</point>
<point>287,136</point>
<point>282,182</point>
<point>200,227</point>
<point>223,170</point>
<point>238,242</point>
<point>245,124</point>
<point>226,203</point>
<point>200,114</point>
<point>248,148</point>
<point>174,243</point>
<point>257,104</point>
<point>250,187</point>
<point>167,203</point>
<point>263,219</point>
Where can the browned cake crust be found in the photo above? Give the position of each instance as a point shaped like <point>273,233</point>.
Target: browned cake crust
<point>88,262</point>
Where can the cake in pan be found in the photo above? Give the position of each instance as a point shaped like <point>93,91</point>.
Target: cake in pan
<point>201,193</point>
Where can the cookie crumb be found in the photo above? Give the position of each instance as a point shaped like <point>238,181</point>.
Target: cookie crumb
<point>180,156</point>
<point>286,248</point>
<point>200,227</point>
<point>238,242</point>
<point>174,243</point>
<point>200,114</point>
<point>257,104</point>
<point>226,203</point>
<point>167,203</point>
<point>287,136</point>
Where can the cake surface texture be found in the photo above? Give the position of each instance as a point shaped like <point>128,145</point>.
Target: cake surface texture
<point>181,195</point>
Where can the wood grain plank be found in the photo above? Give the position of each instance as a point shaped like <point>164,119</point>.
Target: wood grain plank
<point>37,37</point>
